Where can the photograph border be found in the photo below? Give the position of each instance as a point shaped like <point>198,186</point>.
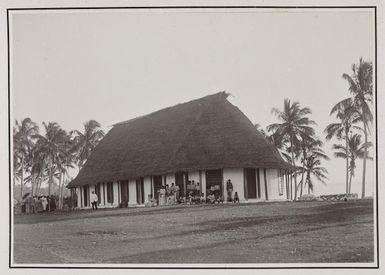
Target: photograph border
<point>224,266</point>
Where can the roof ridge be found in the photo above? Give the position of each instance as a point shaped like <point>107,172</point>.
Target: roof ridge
<point>221,93</point>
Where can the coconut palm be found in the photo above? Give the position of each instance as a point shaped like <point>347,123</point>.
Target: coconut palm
<point>33,161</point>
<point>313,168</point>
<point>356,149</point>
<point>361,88</point>
<point>346,113</point>
<point>294,121</point>
<point>64,162</point>
<point>51,147</point>
<point>23,135</point>
<point>279,143</point>
<point>310,148</point>
<point>86,141</point>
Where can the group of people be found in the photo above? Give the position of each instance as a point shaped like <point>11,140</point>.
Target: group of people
<point>169,195</point>
<point>37,204</point>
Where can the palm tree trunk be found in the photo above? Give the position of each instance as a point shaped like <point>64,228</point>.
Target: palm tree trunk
<point>303,173</point>
<point>32,184</point>
<point>50,178</point>
<point>350,181</point>
<point>22,177</point>
<point>347,162</point>
<point>60,182</point>
<point>303,167</point>
<point>38,187</point>
<point>293,161</point>
<point>62,191</point>
<point>364,162</point>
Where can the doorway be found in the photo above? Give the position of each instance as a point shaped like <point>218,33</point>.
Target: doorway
<point>85,195</point>
<point>214,179</point>
<point>157,186</point>
<point>181,179</point>
<point>124,195</point>
<point>250,178</point>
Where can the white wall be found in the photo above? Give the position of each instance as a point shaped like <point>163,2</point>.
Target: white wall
<point>102,194</point>
<point>236,176</point>
<point>147,188</point>
<point>262,183</point>
<point>116,193</point>
<point>78,193</point>
<point>272,176</point>
<point>132,192</point>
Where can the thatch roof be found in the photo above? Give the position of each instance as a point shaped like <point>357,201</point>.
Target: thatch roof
<point>207,133</point>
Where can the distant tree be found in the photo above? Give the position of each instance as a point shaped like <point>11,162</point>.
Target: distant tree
<point>294,122</point>
<point>361,88</point>
<point>84,142</point>
<point>354,151</point>
<point>310,152</point>
<point>346,114</point>
<point>23,134</point>
<point>314,168</point>
<point>64,162</point>
<point>51,147</point>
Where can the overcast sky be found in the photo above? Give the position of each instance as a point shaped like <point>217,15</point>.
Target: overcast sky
<point>113,66</point>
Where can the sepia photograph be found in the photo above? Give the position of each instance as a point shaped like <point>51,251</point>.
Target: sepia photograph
<point>193,137</point>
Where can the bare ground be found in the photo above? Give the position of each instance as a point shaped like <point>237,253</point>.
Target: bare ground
<point>307,232</point>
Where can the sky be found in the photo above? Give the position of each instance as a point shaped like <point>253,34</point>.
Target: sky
<point>112,66</point>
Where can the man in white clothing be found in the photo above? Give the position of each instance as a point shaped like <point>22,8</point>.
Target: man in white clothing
<point>94,201</point>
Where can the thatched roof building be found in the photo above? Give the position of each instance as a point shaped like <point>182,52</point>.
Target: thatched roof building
<point>207,133</point>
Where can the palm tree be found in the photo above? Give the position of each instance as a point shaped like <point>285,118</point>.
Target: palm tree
<point>310,148</point>
<point>33,167</point>
<point>346,113</point>
<point>294,121</point>
<point>85,142</point>
<point>313,168</point>
<point>355,150</point>
<point>278,143</point>
<point>23,134</point>
<point>64,162</point>
<point>361,88</point>
<point>51,147</point>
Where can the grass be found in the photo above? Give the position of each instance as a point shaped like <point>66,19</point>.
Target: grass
<point>307,232</point>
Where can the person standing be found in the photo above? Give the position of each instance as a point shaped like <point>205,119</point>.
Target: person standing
<point>177,198</point>
<point>173,193</point>
<point>52,203</point>
<point>94,201</point>
<point>44,203</point>
<point>229,189</point>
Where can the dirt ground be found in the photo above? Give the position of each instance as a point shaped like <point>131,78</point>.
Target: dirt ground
<point>286,232</point>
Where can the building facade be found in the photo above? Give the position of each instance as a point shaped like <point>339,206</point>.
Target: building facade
<point>208,141</point>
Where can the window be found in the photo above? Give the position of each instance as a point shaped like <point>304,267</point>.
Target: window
<point>110,192</point>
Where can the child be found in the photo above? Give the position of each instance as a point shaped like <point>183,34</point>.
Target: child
<point>211,198</point>
<point>236,198</point>
<point>202,199</point>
